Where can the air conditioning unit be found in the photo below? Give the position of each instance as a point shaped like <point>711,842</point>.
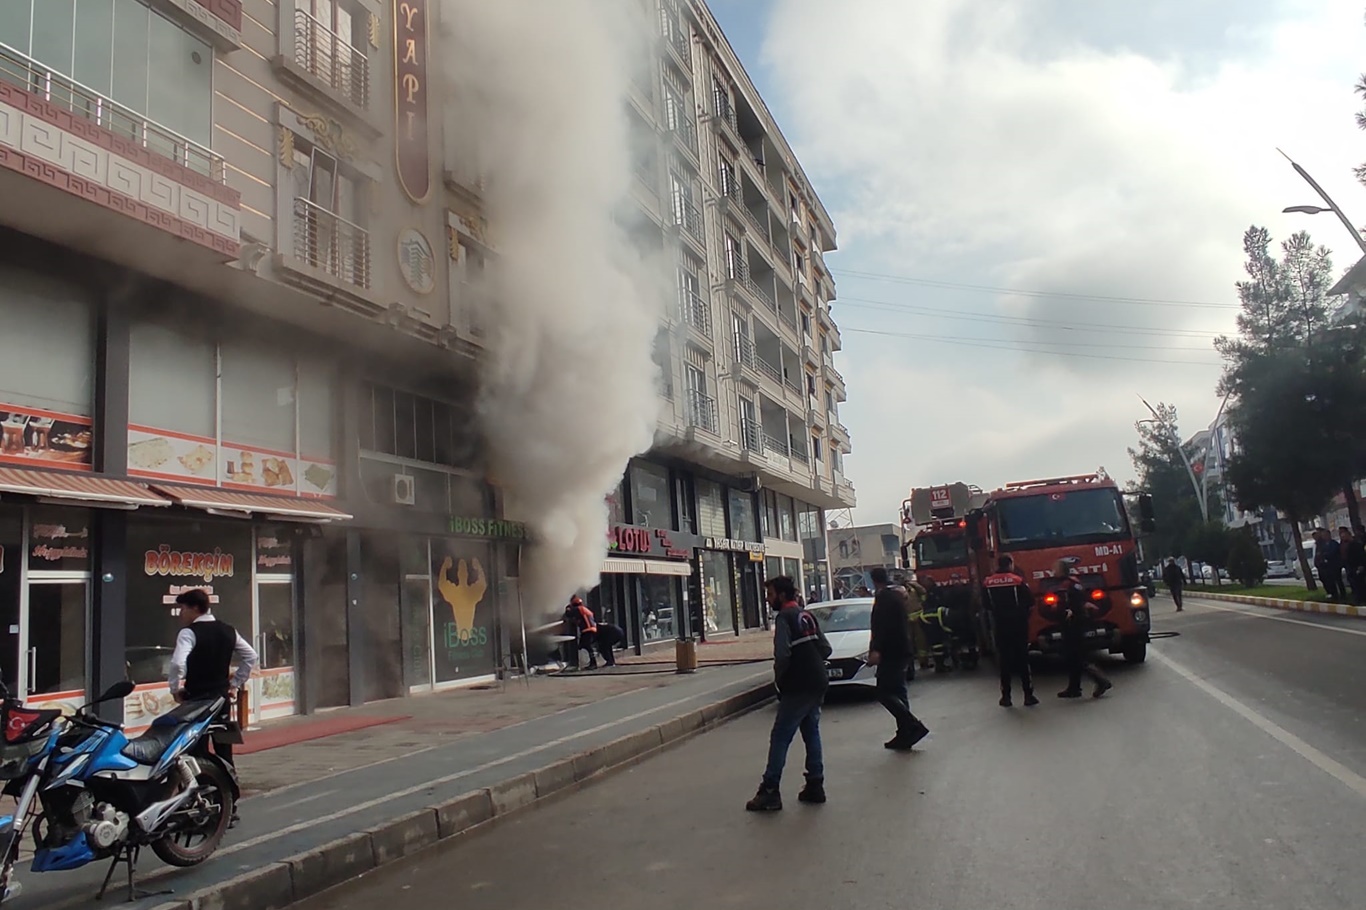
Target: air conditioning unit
<point>402,490</point>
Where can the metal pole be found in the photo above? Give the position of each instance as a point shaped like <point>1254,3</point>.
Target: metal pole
<point>1332,206</point>
<point>1185,460</point>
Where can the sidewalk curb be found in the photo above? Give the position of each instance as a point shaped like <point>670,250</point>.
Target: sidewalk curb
<point>307,874</point>
<point>1298,606</point>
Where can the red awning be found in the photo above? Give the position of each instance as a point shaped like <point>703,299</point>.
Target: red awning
<point>216,500</point>
<point>81,487</point>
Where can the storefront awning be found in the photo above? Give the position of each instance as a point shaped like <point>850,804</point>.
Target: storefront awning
<point>618,566</point>
<point>78,487</point>
<point>247,504</point>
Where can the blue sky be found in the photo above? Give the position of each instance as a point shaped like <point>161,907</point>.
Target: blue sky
<point>1041,205</point>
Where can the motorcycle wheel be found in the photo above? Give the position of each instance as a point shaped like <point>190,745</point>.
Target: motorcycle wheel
<point>213,806</point>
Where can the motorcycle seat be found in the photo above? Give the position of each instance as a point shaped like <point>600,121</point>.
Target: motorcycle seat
<point>148,748</point>
<point>191,712</point>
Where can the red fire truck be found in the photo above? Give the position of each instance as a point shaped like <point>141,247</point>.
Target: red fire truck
<point>1081,520</point>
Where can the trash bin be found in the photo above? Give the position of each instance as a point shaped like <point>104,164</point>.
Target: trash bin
<point>685,653</point>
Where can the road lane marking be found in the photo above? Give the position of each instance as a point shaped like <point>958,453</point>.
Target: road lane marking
<point>1314,756</point>
<point>450,778</point>
<point>1210,605</point>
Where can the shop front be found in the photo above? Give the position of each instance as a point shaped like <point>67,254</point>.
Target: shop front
<point>644,587</point>
<point>732,586</point>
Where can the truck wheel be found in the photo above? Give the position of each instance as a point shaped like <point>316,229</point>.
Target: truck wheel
<point>1135,652</point>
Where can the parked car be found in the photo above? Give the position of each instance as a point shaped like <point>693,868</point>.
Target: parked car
<point>1276,568</point>
<point>1207,573</point>
<point>847,624</point>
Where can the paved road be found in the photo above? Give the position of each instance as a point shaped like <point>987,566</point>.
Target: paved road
<point>1225,774</point>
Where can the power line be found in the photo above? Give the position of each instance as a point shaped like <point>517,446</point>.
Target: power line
<point>1001,345</point>
<point>1023,321</point>
<point>1020,292</point>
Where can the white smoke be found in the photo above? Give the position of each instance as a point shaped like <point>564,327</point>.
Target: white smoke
<point>571,390</point>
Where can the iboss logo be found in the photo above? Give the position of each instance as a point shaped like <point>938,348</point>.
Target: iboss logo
<point>456,637</point>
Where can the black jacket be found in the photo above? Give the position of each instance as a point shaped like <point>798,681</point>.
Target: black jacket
<point>891,633</point>
<point>1009,600</point>
<point>800,650</point>
<point>1172,575</point>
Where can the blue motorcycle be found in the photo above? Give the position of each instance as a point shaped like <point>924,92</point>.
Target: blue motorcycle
<point>90,793</point>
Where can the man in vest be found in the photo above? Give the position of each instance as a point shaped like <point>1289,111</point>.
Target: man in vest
<point>800,650</point>
<point>1008,601</point>
<point>889,649</point>
<point>204,653</point>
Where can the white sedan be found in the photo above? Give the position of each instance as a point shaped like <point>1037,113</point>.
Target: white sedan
<point>847,624</point>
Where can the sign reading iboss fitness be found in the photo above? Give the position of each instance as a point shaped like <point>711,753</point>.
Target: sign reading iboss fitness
<point>412,148</point>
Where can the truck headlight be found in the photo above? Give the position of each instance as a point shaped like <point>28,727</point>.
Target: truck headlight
<point>1137,600</point>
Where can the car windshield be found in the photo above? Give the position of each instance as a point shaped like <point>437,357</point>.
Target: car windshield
<point>936,551</point>
<point>844,615</point>
<point>1065,517</point>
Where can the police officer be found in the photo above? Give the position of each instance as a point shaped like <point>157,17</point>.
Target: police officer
<point>1008,601</point>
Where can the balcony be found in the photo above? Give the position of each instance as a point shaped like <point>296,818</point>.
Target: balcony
<point>752,435</point>
<point>788,317</point>
<point>771,371</point>
<point>701,411</point>
<point>331,244</point>
<point>745,353</point>
<point>740,276</point>
<point>124,122</point>
<point>753,221</point>
<point>724,112</point>
<point>674,35</point>
<point>684,133</point>
<point>776,445</point>
<point>801,455</point>
<point>696,312</point>
<point>331,59</point>
<point>688,219</point>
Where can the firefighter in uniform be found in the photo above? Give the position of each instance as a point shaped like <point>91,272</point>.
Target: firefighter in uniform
<point>1008,602</point>
<point>1076,615</point>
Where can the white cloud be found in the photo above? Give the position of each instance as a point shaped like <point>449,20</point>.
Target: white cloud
<point>968,142</point>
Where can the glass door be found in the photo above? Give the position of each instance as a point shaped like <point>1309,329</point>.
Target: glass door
<point>53,642</point>
<point>273,694</point>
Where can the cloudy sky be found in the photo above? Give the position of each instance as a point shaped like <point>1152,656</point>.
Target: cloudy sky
<point>1041,207</point>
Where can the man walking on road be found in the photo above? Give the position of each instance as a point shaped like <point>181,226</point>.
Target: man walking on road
<point>889,649</point>
<point>1009,601</point>
<point>799,654</point>
<point>1175,580</point>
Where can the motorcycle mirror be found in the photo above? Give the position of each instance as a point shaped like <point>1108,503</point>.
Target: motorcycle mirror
<point>119,690</point>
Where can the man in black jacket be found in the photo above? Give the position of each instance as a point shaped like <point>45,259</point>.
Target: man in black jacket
<point>799,654</point>
<point>1008,600</point>
<point>889,649</point>
<point>1175,580</point>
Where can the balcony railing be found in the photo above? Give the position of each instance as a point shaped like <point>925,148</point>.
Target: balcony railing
<point>331,243</point>
<point>792,383</point>
<point>333,59</point>
<point>696,312</point>
<point>776,444</point>
<point>754,222</point>
<point>770,370</point>
<point>701,411</point>
<point>725,111</point>
<point>788,318</point>
<point>801,455</point>
<point>684,131</point>
<point>88,104</point>
<point>752,435</point>
<point>688,218</point>
<point>744,352</point>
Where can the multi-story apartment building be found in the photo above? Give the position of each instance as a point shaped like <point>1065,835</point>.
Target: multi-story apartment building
<point>751,451</point>
<point>238,349</point>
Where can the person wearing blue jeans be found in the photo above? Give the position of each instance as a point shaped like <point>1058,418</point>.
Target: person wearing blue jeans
<point>800,650</point>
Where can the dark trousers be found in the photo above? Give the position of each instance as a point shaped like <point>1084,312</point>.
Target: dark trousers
<point>1012,651</point>
<point>891,692</point>
<point>796,711</point>
<point>608,637</point>
<point>1331,576</point>
<point>1178,591</point>
<point>1357,579</point>
<point>1077,658</point>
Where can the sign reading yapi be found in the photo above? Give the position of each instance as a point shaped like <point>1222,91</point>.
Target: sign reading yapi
<point>492,528</point>
<point>629,539</point>
<point>412,143</point>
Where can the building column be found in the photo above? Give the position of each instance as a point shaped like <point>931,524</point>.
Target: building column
<point>109,565</point>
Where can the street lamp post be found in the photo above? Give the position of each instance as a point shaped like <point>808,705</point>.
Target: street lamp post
<point>1318,210</point>
<point>1200,482</point>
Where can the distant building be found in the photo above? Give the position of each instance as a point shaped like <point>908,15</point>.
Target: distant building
<point>855,552</point>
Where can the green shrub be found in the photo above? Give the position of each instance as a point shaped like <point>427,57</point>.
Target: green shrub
<point>1246,565</point>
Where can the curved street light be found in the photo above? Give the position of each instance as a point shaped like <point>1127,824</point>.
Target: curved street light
<point>1317,210</point>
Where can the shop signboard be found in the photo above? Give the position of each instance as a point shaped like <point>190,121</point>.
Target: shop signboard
<point>735,546</point>
<point>165,455</point>
<point>59,540</point>
<point>464,611</point>
<point>36,438</point>
<point>629,540</point>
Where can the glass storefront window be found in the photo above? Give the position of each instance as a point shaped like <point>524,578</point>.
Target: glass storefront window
<point>163,359</point>
<point>258,396</point>
<point>787,528</point>
<point>47,351</point>
<point>711,509</point>
<point>718,593</point>
<point>743,522</point>
<point>56,638</point>
<point>685,504</point>
<point>464,615</point>
<point>661,607</point>
<point>650,500</point>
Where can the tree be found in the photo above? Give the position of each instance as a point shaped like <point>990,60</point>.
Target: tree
<point>1246,564</point>
<point>1297,382</point>
<point>1162,474</point>
<point>1211,544</point>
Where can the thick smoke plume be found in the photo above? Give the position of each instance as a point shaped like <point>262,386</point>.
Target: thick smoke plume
<point>571,390</point>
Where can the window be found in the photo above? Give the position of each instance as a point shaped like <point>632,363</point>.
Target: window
<point>47,350</point>
<point>711,509</point>
<point>799,264</point>
<point>743,522</point>
<point>650,501</point>
<point>734,256</point>
<point>787,529</point>
<point>467,278</point>
<point>162,358</point>
<point>674,111</point>
<point>689,285</point>
<point>816,448</point>
<point>122,50</point>
<point>697,380</point>
<point>258,388</point>
<point>811,385</point>
<point>328,212</point>
<point>685,504</point>
<point>329,42</point>
<point>415,427</point>
<point>730,184</point>
<point>806,326</point>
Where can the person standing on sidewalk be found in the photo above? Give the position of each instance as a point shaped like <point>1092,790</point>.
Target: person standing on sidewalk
<point>1008,600</point>
<point>889,649</point>
<point>203,656</point>
<point>1354,561</point>
<point>800,650</point>
<point>1175,580</point>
